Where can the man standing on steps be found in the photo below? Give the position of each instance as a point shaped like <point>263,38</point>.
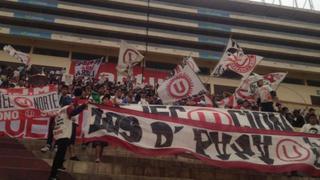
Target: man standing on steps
<point>62,134</point>
<point>265,95</point>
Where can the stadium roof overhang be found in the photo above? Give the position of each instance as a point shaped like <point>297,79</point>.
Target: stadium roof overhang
<point>257,8</point>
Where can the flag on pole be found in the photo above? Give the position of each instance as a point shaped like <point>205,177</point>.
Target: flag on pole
<point>248,87</point>
<point>178,69</point>
<point>22,57</point>
<point>190,62</point>
<point>234,63</point>
<point>128,57</point>
<point>184,84</point>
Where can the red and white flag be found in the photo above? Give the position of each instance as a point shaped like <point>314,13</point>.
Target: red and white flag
<point>129,56</point>
<point>22,57</point>
<point>248,87</point>
<point>181,85</point>
<point>234,63</point>
<point>190,62</point>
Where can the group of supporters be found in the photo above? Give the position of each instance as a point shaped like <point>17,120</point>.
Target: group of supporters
<point>122,93</point>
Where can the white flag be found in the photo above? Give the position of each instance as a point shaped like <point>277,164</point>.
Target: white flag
<point>128,55</point>
<point>181,85</point>
<point>22,57</point>
<point>234,63</point>
<point>190,62</point>
<point>248,86</point>
<point>274,79</point>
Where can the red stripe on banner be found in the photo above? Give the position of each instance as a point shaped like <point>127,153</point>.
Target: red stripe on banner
<point>221,164</point>
<point>207,125</point>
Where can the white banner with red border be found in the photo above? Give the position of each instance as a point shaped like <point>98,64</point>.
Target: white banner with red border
<point>16,103</point>
<point>223,146</point>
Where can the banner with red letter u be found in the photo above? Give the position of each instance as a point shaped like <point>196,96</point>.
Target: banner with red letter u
<point>219,145</point>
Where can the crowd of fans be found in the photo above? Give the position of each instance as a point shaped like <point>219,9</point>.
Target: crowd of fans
<point>121,93</point>
<point>108,93</point>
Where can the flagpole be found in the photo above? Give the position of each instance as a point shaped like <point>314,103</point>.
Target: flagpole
<point>147,41</point>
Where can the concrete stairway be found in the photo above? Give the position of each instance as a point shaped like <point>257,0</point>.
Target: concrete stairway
<point>18,163</point>
<point>119,164</point>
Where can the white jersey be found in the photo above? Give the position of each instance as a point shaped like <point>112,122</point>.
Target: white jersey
<point>63,125</point>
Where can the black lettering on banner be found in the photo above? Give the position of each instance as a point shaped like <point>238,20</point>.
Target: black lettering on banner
<point>226,138</point>
<point>173,110</point>
<point>244,143</point>
<point>315,150</point>
<point>45,101</point>
<point>256,116</point>
<point>201,144</point>
<point>263,147</point>
<point>266,120</point>
<point>154,110</point>
<point>111,122</point>
<point>130,124</point>
<point>234,116</point>
<point>97,114</point>
<point>250,119</point>
<point>277,125</point>
<point>285,123</point>
<point>162,130</point>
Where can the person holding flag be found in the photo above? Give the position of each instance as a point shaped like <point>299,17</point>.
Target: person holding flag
<point>265,96</point>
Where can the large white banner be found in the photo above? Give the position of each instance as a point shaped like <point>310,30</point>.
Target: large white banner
<point>219,116</point>
<point>220,145</point>
<point>184,84</point>
<point>234,63</point>
<point>87,68</point>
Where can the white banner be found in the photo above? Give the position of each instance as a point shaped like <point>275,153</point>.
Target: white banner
<point>234,63</point>
<point>44,99</point>
<point>87,68</point>
<point>181,85</point>
<point>219,116</point>
<point>222,146</point>
<point>128,57</point>
<point>22,57</point>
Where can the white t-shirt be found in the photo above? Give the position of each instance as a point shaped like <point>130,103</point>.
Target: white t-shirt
<point>263,93</point>
<point>63,125</point>
<point>143,102</point>
<point>311,129</point>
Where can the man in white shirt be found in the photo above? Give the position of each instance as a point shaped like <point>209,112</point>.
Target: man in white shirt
<point>265,95</point>
<point>312,127</point>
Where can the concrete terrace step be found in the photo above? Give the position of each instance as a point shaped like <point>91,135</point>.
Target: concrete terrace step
<point>122,177</point>
<point>118,163</point>
<point>18,163</point>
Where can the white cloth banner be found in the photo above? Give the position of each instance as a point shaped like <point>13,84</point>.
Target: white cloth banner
<point>87,68</point>
<point>181,85</point>
<point>234,63</point>
<point>22,57</point>
<point>222,146</point>
<point>219,116</point>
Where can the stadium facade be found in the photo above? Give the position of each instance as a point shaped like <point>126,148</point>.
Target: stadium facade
<point>55,32</point>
